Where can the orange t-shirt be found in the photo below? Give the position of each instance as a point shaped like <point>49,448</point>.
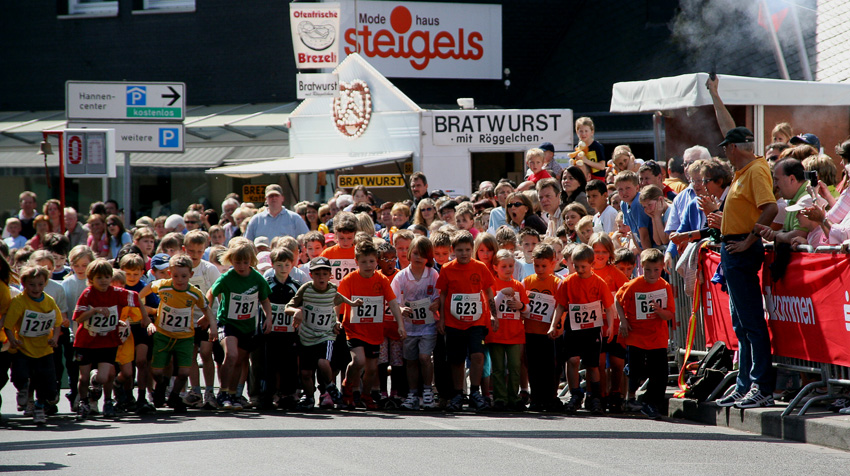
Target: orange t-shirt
<point>390,325</point>
<point>511,331</point>
<point>651,332</point>
<point>342,262</point>
<point>353,286</point>
<point>615,279</point>
<point>461,282</point>
<point>549,286</point>
<point>577,290</point>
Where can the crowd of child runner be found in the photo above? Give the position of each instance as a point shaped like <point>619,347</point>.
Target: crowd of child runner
<point>522,285</point>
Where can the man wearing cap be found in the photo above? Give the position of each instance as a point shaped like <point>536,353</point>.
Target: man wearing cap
<point>275,220</point>
<point>749,203</point>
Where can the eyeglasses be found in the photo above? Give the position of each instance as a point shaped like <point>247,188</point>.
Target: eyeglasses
<point>429,209</point>
<point>514,204</point>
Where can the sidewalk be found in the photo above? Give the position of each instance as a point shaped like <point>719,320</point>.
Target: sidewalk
<point>818,426</point>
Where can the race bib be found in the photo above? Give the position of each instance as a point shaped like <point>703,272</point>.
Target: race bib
<point>466,307</point>
<point>646,303</point>
<point>37,324</point>
<point>341,268</point>
<point>243,306</point>
<point>281,322</point>
<point>102,325</point>
<point>176,319</point>
<point>124,333</point>
<point>388,314</point>
<point>585,316</point>
<point>502,309</point>
<point>541,307</point>
<point>370,312</point>
<point>421,312</point>
<point>320,318</point>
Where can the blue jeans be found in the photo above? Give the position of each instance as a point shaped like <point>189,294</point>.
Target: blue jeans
<point>747,309</point>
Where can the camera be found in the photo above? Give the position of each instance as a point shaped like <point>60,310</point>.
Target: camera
<point>811,176</point>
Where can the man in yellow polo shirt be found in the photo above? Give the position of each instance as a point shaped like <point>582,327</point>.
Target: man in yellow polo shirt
<point>750,201</point>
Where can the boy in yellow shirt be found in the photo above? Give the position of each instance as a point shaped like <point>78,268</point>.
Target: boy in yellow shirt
<point>32,325</point>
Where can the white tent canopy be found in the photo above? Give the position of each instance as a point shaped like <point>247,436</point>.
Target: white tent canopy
<point>688,90</point>
<point>309,163</point>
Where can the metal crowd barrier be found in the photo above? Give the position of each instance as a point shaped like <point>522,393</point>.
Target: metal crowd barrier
<point>834,378</point>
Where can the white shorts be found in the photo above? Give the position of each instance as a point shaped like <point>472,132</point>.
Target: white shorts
<point>414,346</point>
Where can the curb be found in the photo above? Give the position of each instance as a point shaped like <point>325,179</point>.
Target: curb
<point>816,427</point>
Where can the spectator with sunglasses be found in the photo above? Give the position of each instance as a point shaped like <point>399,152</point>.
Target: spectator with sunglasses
<point>118,236</point>
<point>520,214</point>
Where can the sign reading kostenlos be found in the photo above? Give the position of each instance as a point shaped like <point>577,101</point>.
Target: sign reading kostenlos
<point>155,102</point>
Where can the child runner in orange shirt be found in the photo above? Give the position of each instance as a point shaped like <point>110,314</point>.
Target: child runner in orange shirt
<point>613,353</point>
<point>505,344</point>
<point>465,318</point>
<point>584,295</point>
<point>542,287</point>
<point>645,304</point>
<point>363,325</point>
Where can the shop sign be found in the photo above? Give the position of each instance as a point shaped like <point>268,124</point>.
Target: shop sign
<point>521,128</point>
<point>315,34</point>
<point>370,181</point>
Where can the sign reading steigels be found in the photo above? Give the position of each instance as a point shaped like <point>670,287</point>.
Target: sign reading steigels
<point>425,40</point>
<point>315,34</point>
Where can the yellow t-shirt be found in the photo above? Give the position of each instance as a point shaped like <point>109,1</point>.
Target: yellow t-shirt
<point>174,315</point>
<point>33,323</point>
<point>5,299</point>
<point>751,189</point>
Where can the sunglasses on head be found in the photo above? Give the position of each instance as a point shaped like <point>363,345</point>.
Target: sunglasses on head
<point>514,204</point>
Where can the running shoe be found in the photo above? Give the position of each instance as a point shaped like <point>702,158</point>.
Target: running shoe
<point>729,400</point>
<point>650,411</point>
<point>411,402</point>
<point>839,404</point>
<point>287,403</point>
<point>596,406</point>
<point>108,409</point>
<point>306,404</point>
<point>143,407</point>
<point>326,402</point>
<point>754,399</point>
<point>632,406</point>
<point>428,401</point>
<point>336,396</point>
<point>177,404</point>
<point>369,402</point>
<point>244,402</point>
<point>477,402</point>
<point>455,404</point>
<point>39,417</point>
<point>22,398</point>
<point>574,403</point>
<point>210,402</point>
<point>83,410</point>
<point>224,402</point>
<point>236,403</point>
<point>193,400</point>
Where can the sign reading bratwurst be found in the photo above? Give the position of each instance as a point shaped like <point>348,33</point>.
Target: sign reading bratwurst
<point>516,128</point>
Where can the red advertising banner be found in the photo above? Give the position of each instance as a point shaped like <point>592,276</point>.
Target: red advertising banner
<point>715,301</point>
<point>808,310</point>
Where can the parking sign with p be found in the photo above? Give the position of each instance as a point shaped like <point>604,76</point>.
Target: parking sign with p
<point>136,95</point>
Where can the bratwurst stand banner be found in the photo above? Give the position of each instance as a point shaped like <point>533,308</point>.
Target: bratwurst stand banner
<point>425,40</point>
<point>485,128</point>
<point>808,310</point>
<point>315,34</point>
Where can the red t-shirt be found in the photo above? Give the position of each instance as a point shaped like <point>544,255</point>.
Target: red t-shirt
<point>116,299</point>
<point>342,262</point>
<point>548,286</point>
<point>539,176</point>
<point>369,329</point>
<point>461,283</point>
<point>577,290</point>
<point>511,331</point>
<point>390,325</point>
<point>615,279</point>
<point>649,332</point>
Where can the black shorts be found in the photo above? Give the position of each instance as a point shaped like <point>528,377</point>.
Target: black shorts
<point>372,351</point>
<point>201,335</point>
<point>246,341</point>
<point>341,357</point>
<point>309,355</point>
<point>141,336</point>
<point>101,355</point>
<point>461,343</point>
<point>585,344</point>
<point>614,348</point>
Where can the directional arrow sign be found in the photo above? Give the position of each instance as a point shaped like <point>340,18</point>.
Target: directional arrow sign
<point>122,101</point>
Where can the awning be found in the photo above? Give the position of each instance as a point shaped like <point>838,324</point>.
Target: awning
<point>689,90</point>
<point>309,163</point>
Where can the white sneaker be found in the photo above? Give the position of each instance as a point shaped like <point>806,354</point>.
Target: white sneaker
<point>22,397</point>
<point>428,401</point>
<point>411,402</point>
<point>38,415</point>
<point>729,400</point>
<point>754,398</point>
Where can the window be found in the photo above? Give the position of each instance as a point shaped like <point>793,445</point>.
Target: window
<point>163,6</point>
<point>88,8</point>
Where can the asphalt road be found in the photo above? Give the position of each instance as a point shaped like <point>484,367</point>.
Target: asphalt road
<point>399,443</point>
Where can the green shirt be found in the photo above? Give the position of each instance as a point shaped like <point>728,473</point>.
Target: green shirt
<point>791,222</point>
<point>240,299</point>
